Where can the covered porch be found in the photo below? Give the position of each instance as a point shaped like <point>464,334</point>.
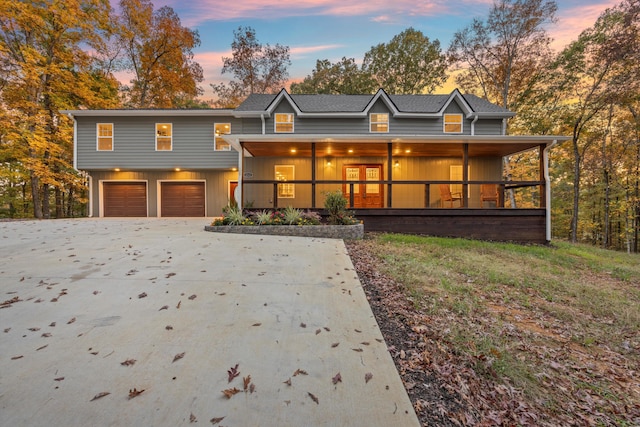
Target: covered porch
<point>444,186</point>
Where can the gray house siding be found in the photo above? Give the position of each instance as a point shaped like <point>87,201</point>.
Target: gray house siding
<point>134,144</point>
<point>216,187</point>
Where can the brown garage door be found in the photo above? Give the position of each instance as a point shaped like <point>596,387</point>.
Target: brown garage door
<point>182,199</point>
<point>125,198</point>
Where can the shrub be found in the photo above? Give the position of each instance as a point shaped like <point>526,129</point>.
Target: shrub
<point>292,215</point>
<point>235,216</point>
<point>262,217</point>
<point>310,218</point>
<point>336,205</point>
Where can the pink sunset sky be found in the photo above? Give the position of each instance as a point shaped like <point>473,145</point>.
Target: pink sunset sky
<point>331,29</point>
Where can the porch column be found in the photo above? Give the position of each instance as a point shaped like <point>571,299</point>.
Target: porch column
<point>465,175</point>
<point>313,175</point>
<point>241,176</point>
<point>389,172</point>
<point>543,187</point>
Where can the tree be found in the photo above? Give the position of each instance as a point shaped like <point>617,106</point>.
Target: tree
<point>596,75</point>
<point>502,57</point>
<point>258,68</point>
<point>44,68</point>
<point>409,63</point>
<point>344,77</point>
<point>158,51</point>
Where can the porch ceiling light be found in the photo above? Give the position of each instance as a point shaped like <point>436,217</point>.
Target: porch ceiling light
<point>177,169</point>
<point>350,150</point>
<point>407,151</point>
<point>294,151</point>
<point>117,169</point>
<point>396,164</point>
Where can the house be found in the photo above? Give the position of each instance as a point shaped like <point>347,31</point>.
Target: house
<point>429,164</point>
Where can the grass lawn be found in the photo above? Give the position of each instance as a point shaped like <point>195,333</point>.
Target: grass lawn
<point>546,335</point>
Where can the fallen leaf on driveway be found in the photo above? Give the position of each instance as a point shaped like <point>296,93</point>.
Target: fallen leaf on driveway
<point>99,395</point>
<point>34,329</point>
<point>246,381</point>
<point>133,393</point>
<point>233,372</point>
<point>313,397</point>
<point>338,378</point>
<point>230,392</point>
<point>178,356</point>
<point>367,377</point>
<point>287,382</point>
<point>73,319</point>
<point>192,297</point>
<point>335,344</point>
<point>215,421</point>
<point>168,327</point>
<point>164,307</point>
<point>192,418</point>
<point>170,275</point>
<point>17,357</point>
<point>46,335</point>
<point>300,372</point>
<point>128,362</point>
<point>142,295</point>
<point>40,348</point>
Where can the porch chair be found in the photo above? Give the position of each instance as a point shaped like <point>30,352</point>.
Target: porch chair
<point>447,196</point>
<point>489,193</point>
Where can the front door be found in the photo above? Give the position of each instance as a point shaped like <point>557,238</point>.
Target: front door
<point>364,195</point>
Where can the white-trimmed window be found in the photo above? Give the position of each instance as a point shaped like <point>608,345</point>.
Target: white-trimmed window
<point>164,136</point>
<point>284,123</point>
<point>379,122</point>
<point>105,137</point>
<point>452,123</point>
<point>283,174</point>
<point>220,129</point>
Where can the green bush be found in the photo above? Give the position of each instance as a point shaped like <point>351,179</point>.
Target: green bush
<point>336,205</point>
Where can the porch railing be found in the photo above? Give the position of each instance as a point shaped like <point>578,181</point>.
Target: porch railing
<point>503,187</point>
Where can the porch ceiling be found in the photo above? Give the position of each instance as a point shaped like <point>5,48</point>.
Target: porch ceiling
<point>346,148</point>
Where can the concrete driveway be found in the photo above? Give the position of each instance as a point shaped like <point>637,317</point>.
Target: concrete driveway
<point>155,322</point>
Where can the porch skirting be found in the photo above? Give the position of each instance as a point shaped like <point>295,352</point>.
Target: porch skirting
<point>355,231</point>
<point>507,225</point>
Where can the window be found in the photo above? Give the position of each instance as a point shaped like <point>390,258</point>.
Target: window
<point>164,136</point>
<point>284,123</point>
<point>379,122</point>
<point>285,173</point>
<point>218,143</point>
<point>453,123</point>
<point>105,137</point>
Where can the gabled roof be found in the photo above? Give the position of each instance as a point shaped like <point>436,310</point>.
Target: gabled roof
<point>323,105</point>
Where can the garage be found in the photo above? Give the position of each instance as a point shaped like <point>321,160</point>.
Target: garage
<point>182,198</point>
<point>124,199</point>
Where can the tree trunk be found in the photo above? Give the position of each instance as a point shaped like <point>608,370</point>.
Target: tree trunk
<point>35,195</point>
<point>59,203</point>
<point>46,208</point>
<point>576,191</point>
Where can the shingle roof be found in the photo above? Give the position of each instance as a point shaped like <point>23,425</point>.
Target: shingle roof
<point>323,103</point>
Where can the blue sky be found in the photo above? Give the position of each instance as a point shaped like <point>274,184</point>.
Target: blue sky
<point>331,29</point>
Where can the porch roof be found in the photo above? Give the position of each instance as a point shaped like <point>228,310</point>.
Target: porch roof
<point>370,145</point>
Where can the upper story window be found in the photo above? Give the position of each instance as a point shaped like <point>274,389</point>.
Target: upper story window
<point>164,136</point>
<point>453,123</point>
<point>284,123</point>
<point>379,122</point>
<point>105,137</point>
<point>220,129</point>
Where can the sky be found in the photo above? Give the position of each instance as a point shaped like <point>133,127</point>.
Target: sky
<point>332,29</point>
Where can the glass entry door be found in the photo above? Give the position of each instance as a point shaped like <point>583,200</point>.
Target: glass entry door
<point>364,195</point>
